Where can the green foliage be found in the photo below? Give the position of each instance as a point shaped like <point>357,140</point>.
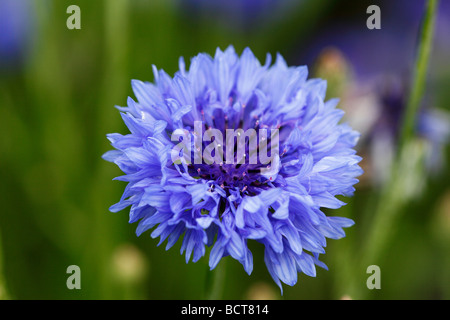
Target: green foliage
<point>55,188</point>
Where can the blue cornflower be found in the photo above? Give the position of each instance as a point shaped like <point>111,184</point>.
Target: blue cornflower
<point>224,204</point>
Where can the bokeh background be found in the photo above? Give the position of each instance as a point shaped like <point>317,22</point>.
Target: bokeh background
<point>58,89</point>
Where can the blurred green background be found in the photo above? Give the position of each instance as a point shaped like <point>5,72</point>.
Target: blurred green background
<point>58,89</point>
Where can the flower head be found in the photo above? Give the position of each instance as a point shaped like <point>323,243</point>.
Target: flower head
<point>226,201</point>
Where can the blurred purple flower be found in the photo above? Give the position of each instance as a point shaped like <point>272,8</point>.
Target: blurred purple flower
<point>433,125</point>
<point>389,50</point>
<point>16,31</point>
<point>379,66</point>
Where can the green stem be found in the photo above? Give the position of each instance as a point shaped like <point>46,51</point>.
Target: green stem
<point>394,194</point>
<point>3,292</point>
<point>214,281</point>
<point>112,91</point>
<point>421,66</point>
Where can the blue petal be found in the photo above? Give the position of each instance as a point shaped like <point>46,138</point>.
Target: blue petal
<point>305,264</point>
<point>292,236</point>
<point>112,155</point>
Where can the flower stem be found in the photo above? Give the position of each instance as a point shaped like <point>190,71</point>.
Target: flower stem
<point>3,292</point>
<point>108,233</point>
<point>397,190</point>
<point>420,71</point>
<point>214,281</point>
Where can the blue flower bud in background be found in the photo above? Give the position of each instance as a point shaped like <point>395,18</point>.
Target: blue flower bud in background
<point>16,32</point>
